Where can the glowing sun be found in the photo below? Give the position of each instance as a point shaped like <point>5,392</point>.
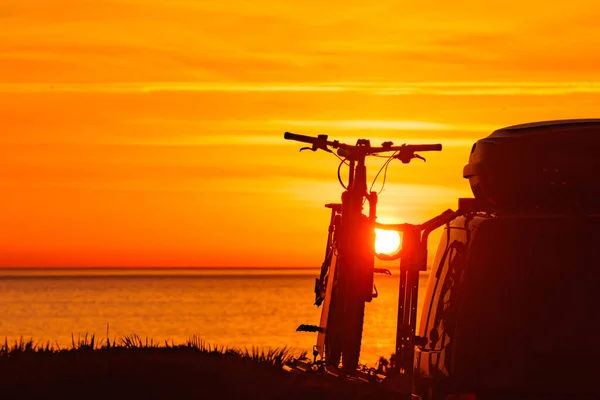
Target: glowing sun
<point>386,242</point>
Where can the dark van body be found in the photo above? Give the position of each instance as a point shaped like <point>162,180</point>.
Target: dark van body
<point>511,310</point>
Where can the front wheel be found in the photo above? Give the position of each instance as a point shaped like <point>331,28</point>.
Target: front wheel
<point>353,321</point>
<point>344,329</point>
<point>334,333</point>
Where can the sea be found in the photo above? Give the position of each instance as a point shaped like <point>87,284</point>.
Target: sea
<point>232,307</point>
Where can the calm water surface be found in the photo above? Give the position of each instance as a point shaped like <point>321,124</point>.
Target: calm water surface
<point>234,307</point>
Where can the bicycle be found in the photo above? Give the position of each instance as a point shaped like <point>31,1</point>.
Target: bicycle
<point>346,284</point>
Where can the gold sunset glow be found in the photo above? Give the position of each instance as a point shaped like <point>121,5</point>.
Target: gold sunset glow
<point>150,133</point>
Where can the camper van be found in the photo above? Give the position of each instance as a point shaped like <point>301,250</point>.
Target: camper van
<point>513,297</point>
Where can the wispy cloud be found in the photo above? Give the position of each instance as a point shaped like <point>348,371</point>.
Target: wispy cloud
<point>385,88</point>
<point>384,125</point>
<point>277,140</point>
<point>210,141</point>
<point>346,131</point>
<point>371,124</point>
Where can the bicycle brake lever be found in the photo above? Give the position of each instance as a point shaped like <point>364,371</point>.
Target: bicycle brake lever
<point>315,149</point>
<point>419,157</point>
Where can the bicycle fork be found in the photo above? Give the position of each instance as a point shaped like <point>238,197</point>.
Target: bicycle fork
<point>321,281</point>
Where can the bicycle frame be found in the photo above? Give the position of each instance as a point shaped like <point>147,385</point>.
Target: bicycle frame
<point>350,279</point>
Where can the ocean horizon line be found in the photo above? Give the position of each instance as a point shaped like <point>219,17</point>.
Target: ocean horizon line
<point>164,272</point>
<point>150,267</point>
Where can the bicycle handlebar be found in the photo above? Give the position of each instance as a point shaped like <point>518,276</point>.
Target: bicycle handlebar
<point>425,147</point>
<point>321,142</point>
<point>299,138</point>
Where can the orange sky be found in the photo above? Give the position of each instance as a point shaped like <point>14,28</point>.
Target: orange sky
<point>150,132</point>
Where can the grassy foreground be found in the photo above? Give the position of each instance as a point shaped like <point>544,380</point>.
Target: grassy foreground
<point>130,368</point>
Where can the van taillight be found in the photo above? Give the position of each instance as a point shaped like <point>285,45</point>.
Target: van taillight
<point>462,396</point>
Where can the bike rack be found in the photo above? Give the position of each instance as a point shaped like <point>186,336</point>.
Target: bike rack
<point>413,259</point>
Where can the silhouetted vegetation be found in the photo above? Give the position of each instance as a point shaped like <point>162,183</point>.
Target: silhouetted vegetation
<point>130,368</point>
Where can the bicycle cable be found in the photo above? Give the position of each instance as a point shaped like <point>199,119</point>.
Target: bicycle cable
<point>384,166</point>
<point>344,160</point>
<point>339,174</point>
<point>339,171</point>
<point>384,176</point>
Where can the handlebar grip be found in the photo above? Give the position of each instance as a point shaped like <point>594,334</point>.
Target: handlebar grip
<point>299,138</point>
<point>426,147</point>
